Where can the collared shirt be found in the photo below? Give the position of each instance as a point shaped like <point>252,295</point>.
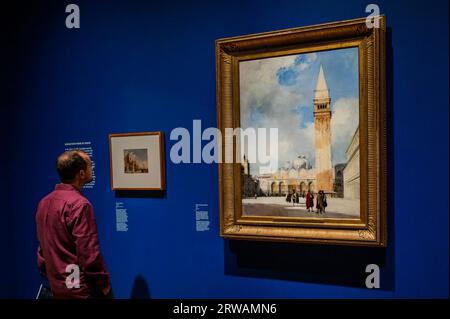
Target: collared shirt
<point>67,233</point>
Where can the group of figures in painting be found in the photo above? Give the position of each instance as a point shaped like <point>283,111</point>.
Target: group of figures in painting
<point>321,200</point>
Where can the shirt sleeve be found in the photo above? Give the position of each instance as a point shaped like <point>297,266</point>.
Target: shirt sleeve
<point>91,263</point>
<point>41,261</point>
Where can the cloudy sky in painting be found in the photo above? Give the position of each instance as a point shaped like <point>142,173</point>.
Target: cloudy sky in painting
<point>278,92</point>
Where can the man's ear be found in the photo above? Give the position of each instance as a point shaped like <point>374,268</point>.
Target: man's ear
<point>82,173</point>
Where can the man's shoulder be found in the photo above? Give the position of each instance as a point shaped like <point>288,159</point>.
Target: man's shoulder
<point>73,199</point>
<point>80,201</point>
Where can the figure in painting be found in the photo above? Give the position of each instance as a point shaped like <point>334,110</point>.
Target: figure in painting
<point>309,201</point>
<point>321,202</point>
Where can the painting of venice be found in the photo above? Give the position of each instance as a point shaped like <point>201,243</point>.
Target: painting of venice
<point>313,100</point>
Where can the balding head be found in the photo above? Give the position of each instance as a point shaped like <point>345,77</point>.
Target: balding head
<point>70,163</point>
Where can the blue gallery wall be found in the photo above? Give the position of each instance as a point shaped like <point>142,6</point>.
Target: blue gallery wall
<point>8,94</point>
<point>150,66</point>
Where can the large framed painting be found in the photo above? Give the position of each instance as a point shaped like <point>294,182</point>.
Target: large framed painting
<point>319,92</point>
<point>137,161</point>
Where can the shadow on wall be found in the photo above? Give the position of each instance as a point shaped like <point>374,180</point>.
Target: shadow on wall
<point>140,194</point>
<point>140,289</point>
<point>332,265</point>
<point>325,264</point>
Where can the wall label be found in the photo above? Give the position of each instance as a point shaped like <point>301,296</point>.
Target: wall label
<point>201,217</point>
<point>121,217</point>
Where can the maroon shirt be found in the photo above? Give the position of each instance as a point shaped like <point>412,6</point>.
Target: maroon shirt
<point>67,234</point>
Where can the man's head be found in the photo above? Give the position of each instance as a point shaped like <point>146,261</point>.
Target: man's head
<point>74,167</point>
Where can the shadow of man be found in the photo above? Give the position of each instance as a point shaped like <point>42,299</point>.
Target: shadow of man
<point>140,289</point>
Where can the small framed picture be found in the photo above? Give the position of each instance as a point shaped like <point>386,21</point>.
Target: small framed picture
<point>137,161</point>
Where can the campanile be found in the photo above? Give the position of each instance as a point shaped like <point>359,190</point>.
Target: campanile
<point>322,121</point>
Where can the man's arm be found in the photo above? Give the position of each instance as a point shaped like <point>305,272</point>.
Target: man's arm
<point>41,261</point>
<point>84,230</point>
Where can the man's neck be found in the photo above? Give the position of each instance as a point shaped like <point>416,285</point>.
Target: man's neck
<point>77,185</point>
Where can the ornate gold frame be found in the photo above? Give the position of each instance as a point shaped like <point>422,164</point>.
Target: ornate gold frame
<point>370,229</point>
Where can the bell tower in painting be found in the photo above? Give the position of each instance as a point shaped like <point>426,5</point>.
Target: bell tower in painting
<point>322,128</point>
